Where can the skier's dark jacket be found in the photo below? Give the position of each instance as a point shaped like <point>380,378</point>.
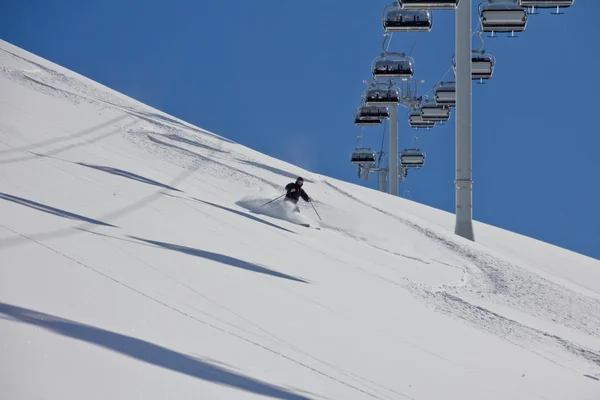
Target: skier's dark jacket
<point>296,194</point>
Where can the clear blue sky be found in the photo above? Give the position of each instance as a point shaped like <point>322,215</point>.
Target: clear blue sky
<point>285,78</point>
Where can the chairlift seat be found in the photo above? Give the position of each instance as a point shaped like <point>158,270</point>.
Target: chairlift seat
<point>416,121</point>
<point>398,20</point>
<point>482,67</point>
<point>412,158</point>
<point>445,93</point>
<point>377,96</point>
<point>546,3</point>
<point>361,121</point>
<point>364,156</point>
<point>374,112</point>
<point>428,4</point>
<point>435,112</point>
<point>502,17</point>
<point>393,68</point>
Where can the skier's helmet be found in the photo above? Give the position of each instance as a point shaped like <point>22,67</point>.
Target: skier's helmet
<point>300,181</point>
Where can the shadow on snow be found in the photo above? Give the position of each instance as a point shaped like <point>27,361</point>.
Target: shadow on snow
<point>220,258</point>
<point>50,210</point>
<point>130,175</point>
<point>147,352</point>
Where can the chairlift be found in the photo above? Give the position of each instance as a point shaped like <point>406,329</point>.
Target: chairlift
<point>381,94</point>
<point>431,111</point>
<point>445,93</point>
<point>482,65</point>
<point>416,121</point>
<point>365,121</point>
<point>396,19</point>
<point>364,156</point>
<point>502,17</point>
<point>428,4</point>
<point>393,65</point>
<point>371,115</point>
<point>531,5</point>
<point>374,112</point>
<point>412,158</point>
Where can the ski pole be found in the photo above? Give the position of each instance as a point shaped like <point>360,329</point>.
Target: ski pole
<point>273,200</point>
<point>314,208</point>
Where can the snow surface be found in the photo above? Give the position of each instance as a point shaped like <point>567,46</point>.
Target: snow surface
<point>136,262</point>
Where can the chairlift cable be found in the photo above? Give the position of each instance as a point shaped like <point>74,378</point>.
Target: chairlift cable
<point>414,44</point>
<point>438,82</point>
<point>389,42</point>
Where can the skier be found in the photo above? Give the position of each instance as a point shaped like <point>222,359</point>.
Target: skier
<point>294,192</point>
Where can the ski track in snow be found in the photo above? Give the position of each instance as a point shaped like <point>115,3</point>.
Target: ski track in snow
<point>501,282</point>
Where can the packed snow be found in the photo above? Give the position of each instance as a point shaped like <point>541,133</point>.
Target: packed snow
<point>138,260</point>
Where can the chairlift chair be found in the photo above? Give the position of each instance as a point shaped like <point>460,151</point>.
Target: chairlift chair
<point>393,65</point>
<point>482,65</point>
<point>364,156</point>
<point>416,121</point>
<point>502,17</point>
<point>381,95</point>
<point>371,115</point>
<point>445,93</point>
<point>428,4</point>
<point>412,158</point>
<point>366,121</point>
<point>531,5</point>
<point>435,112</point>
<point>374,112</point>
<point>396,19</point>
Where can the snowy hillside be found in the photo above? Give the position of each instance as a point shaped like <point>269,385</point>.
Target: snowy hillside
<point>137,263</point>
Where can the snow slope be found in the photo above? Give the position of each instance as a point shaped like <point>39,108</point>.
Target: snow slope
<point>137,263</point>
